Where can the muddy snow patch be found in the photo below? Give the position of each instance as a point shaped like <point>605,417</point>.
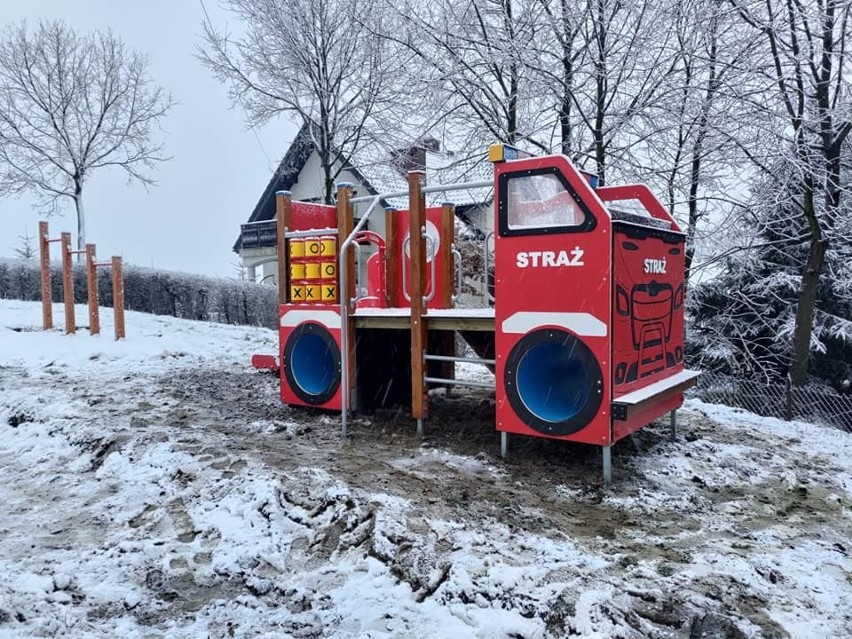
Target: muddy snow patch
<point>154,487</point>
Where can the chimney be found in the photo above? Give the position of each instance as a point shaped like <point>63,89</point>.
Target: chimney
<point>414,157</point>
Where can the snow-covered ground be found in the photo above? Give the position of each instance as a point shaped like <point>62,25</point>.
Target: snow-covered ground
<point>155,487</point>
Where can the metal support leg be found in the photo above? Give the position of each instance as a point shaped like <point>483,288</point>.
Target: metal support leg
<point>607,464</point>
<point>673,425</point>
<point>420,428</point>
<point>504,444</point>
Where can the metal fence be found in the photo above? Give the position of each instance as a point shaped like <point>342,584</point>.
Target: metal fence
<point>776,400</point>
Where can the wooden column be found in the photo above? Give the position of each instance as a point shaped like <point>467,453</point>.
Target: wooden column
<point>283,221</point>
<point>346,290</point>
<point>417,249</point>
<point>392,257</point>
<point>68,283</point>
<point>92,286</point>
<point>46,292</point>
<point>118,296</point>
<point>345,226</point>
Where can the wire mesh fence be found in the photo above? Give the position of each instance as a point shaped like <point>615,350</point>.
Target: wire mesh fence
<point>776,400</point>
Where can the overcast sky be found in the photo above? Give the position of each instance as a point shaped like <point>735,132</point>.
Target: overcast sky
<point>189,220</point>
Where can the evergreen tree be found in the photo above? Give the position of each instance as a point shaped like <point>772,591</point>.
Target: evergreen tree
<point>742,321</point>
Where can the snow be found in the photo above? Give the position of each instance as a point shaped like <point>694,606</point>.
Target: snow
<point>135,507</point>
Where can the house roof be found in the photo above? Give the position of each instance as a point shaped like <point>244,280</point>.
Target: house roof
<point>285,176</point>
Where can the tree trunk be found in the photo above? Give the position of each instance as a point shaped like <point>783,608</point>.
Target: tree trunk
<point>514,83</point>
<point>807,296</point>
<point>81,220</point>
<point>327,173</point>
<point>694,183</point>
<point>601,88</point>
<point>805,313</point>
<point>567,85</point>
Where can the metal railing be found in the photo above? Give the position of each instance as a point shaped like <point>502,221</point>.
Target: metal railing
<point>258,234</point>
<point>779,400</point>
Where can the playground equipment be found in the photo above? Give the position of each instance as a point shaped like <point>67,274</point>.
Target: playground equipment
<point>585,335</point>
<point>68,284</point>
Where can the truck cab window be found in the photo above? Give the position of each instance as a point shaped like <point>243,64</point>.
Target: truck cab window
<point>541,201</point>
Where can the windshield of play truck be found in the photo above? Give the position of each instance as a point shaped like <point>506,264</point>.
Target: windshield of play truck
<point>541,201</point>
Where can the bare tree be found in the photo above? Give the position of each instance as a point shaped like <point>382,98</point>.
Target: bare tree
<point>692,156</point>
<point>605,64</point>
<point>562,54</point>
<point>807,65</point>
<point>310,59</point>
<point>473,66</point>
<point>71,104</point>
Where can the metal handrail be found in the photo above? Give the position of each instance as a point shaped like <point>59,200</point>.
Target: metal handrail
<point>467,360</point>
<point>407,242</point>
<point>458,382</point>
<point>433,248</point>
<point>459,275</point>
<point>461,186</point>
<point>486,295</point>
<point>344,312</point>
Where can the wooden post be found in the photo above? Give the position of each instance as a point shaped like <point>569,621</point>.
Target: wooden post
<point>346,291</point>
<point>46,293</point>
<point>417,249</point>
<point>392,257</point>
<point>92,285</point>
<point>283,220</point>
<point>118,296</point>
<point>68,283</point>
<point>345,226</point>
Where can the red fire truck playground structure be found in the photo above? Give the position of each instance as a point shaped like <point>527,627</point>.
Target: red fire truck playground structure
<point>585,334</point>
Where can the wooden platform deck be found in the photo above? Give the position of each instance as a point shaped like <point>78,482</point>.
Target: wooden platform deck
<point>444,319</point>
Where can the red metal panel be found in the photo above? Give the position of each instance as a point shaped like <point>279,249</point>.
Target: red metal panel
<point>433,230</point>
<point>318,330</point>
<point>644,417</point>
<point>308,215</point>
<point>264,362</point>
<point>648,323</point>
<point>557,280</point>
